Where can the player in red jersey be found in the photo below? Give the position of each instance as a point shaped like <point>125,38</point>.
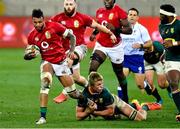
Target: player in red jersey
<point>78,23</point>
<point>47,36</point>
<point>115,19</point>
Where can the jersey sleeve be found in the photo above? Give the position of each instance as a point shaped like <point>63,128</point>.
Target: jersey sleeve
<point>97,13</point>
<point>121,12</point>
<point>54,18</point>
<point>178,27</point>
<point>60,29</point>
<point>87,20</point>
<point>82,102</point>
<point>159,47</point>
<point>109,100</point>
<point>144,34</point>
<point>30,39</point>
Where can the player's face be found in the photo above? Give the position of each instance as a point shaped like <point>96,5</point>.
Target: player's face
<point>98,86</point>
<point>69,7</point>
<point>164,19</point>
<point>108,4</point>
<point>38,23</point>
<point>132,16</point>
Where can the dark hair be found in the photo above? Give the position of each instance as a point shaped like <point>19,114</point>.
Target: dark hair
<point>168,8</point>
<point>134,9</point>
<point>37,13</point>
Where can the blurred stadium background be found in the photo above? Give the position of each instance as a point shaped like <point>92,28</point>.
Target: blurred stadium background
<point>15,19</point>
<point>19,79</point>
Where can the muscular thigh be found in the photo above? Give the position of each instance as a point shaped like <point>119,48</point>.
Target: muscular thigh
<point>139,78</point>
<point>76,73</point>
<point>149,76</point>
<point>46,67</point>
<point>61,69</point>
<point>159,68</point>
<point>66,80</point>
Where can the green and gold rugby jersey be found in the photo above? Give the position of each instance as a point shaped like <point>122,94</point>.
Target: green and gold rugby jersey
<point>102,100</point>
<point>154,56</point>
<point>171,32</point>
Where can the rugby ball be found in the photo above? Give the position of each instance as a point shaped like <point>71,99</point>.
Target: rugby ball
<point>32,49</point>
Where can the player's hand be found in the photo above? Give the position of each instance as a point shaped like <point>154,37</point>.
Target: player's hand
<point>29,56</point>
<point>92,105</point>
<point>92,37</point>
<point>72,55</point>
<point>88,110</point>
<point>110,26</point>
<point>168,43</point>
<point>113,38</point>
<point>136,45</point>
<point>31,52</point>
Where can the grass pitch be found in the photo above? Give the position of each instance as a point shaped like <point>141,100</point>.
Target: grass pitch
<point>19,98</point>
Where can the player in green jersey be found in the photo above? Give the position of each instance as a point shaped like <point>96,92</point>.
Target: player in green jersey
<point>169,29</point>
<point>100,102</point>
<point>153,63</point>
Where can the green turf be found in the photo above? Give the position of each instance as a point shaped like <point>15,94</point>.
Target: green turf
<point>19,92</point>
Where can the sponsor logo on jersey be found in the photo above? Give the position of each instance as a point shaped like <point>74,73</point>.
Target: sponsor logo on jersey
<point>44,45</point>
<point>172,30</point>
<point>47,34</point>
<point>76,23</point>
<point>100,100</point>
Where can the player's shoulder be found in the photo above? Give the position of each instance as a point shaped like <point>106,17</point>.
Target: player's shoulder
<point>177,22</point>
<point>81,15</point>
<point>106,90</point>
<point>117,7</point>
<point>52,23</point>
<point>157,44</point>
<point>101,9</point>
<point>57,17</point>
<point>85,90</point>
<point>32,32</point>
<point>140,26</point>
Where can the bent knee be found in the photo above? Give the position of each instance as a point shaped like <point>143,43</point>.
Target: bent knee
<point>162,86</point>
<point>46,78</point>
<point>140,86</point>
<point>141,115</point>
<point>46,81</point>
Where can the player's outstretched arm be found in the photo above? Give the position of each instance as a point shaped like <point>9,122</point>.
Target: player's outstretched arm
<point>82,113</point>
<point>104,29</point>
